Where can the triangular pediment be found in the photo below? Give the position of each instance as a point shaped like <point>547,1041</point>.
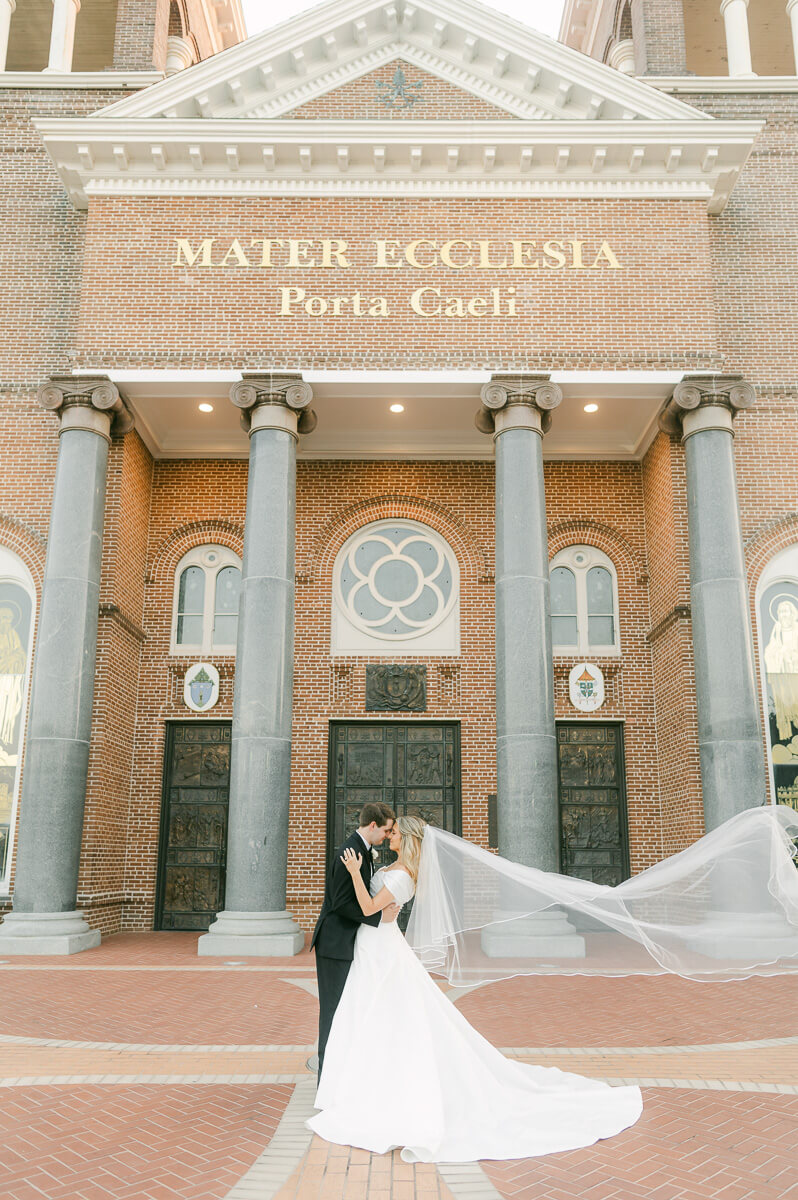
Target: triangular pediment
<point>402,91</point>
<point>518,70</point>
<point>504,111</point>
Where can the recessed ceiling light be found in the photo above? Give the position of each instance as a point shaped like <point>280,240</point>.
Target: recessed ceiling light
<point>397,408</point>
<point>206,408</point>
<point>591,408</point>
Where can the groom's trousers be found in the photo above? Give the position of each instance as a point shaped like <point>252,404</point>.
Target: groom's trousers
<point>331,974</point>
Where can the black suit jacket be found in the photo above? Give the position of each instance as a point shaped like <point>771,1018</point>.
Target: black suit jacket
<point>334,935</point>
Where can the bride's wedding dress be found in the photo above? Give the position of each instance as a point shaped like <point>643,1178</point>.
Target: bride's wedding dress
<point>449,1095</point>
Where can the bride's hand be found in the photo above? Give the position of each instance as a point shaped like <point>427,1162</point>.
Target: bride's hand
<point>352,861</point>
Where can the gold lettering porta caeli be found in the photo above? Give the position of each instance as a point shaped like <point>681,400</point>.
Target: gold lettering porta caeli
<point>440,263</point>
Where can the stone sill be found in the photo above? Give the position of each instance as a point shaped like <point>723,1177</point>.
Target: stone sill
<point>722,83</point>
<point>55,80</point>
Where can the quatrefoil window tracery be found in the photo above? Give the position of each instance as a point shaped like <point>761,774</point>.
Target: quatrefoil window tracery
<point>397,580</point>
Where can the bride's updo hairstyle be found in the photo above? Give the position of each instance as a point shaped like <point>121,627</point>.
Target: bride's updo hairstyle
<point>412,831</point>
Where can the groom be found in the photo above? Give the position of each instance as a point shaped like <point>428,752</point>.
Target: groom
<point>334,935</point>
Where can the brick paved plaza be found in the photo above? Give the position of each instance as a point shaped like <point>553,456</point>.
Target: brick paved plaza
<point>139,1071</point>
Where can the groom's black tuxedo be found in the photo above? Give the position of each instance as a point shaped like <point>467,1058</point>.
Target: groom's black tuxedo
<point>334,935</point>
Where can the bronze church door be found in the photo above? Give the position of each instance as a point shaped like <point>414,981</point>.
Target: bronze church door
<point>191,860</point>
<point>593,829</point>
<point>414,767</point>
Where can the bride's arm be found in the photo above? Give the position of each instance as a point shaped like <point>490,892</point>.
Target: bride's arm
<point>369,904</point>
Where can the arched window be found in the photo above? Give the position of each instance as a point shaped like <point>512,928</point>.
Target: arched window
<point>17,603</point>
<point>777,618</point>
<point>396,589</point>
<point>205,616</point>
<point>584,602</point>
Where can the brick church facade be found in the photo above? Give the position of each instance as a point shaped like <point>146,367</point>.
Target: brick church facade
<point>399,405</point>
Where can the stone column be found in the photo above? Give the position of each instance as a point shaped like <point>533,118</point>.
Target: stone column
<point>518,412</point>
<point>738,45</point>
<point>255,921</point>
<point>62,36</point>
<point>179,54</point>
<point>7,10</point>
<point>622,56</point>
<point>733,778</point>
<point>792,13</point>
<point>44,918</point>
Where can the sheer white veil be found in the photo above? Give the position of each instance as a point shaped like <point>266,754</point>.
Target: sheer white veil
<point>724,908</point>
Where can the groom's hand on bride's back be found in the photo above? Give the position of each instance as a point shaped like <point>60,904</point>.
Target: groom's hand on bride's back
<point>390,912</point>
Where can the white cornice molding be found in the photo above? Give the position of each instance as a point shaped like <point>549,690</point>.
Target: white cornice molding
<point>697,84</point>
<point>34,81</point>
<point>646,159</point>
<point>488,49</point>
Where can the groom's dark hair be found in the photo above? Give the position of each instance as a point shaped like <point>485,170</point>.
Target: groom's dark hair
<point>380,813</point>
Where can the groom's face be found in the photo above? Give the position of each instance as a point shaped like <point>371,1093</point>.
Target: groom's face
<point>381,832</point>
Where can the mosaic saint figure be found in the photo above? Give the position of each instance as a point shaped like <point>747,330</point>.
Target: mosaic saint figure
<point>781,662</point>
<point>12,678</point>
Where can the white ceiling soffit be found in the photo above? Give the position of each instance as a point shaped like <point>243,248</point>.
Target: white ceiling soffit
<point>355,421</point>
<point>574,127</point>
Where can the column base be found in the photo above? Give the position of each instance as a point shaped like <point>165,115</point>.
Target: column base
<point>748,938</point>
<point>252,935</point>
<point>545,935</point>
<point>46,933</point>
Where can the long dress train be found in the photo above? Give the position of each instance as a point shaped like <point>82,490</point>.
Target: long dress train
<point>450,1096</point>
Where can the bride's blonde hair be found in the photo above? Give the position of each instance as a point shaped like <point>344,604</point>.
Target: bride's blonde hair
<point>412,831</point>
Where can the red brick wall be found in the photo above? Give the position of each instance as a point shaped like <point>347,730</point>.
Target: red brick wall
<point>655,312</point>
<point>670,640</point>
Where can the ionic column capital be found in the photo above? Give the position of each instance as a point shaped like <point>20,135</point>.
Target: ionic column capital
<point>702,402</point>
<point>274,401</point>
<point>89,402</point>
<point>517,402</point>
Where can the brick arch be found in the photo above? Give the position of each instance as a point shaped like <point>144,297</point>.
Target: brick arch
<point>626,560</point>
<point>471,556</point>
<point>187,537</point>
<point>623,21</point>
<point>28,544</point>
<point>765,542</point>
<point>178,19</point>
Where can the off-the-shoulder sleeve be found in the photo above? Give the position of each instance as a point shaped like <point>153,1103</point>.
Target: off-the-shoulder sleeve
<point>399,884</point>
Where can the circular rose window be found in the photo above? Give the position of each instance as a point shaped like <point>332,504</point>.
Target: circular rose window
<point>396,580</point>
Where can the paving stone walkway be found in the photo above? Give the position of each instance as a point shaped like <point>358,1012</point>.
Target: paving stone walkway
<point>138,1071</point>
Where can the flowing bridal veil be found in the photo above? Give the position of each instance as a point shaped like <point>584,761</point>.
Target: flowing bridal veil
<point>724,908</point>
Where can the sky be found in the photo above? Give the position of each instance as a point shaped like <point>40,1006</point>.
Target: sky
<point>543,15</point>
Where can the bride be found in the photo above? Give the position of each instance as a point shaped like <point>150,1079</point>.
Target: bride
<point>450,1096</point>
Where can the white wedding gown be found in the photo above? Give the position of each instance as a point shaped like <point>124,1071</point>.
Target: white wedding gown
<point>404,1068</point>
